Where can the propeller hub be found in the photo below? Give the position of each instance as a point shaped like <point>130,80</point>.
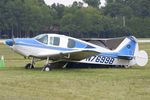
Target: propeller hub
<point>9,42</point>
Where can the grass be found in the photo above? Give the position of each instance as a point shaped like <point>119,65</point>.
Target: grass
<point>17,83</point>
<point>143,38</point>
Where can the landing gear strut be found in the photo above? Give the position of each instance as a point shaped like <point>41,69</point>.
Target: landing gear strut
<point>30,65</point>
<point>47,66</point>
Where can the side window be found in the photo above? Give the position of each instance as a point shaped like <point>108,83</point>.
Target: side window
<point>54,41</point>
<point>71,43</point>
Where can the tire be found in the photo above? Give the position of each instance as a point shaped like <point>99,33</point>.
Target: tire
<point>47,69</point>
<point>29,66</point>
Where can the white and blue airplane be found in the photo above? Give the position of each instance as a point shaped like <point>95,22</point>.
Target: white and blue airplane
<point>56,49</point>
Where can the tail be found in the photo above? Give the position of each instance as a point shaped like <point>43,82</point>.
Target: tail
<point>127,49</point>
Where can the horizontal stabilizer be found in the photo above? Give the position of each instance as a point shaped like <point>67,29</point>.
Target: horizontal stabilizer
<point>126,57</point>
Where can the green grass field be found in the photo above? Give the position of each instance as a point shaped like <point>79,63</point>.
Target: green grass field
<point>17,83</point>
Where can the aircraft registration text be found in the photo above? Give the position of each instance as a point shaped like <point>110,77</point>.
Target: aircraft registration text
<point>101,59</point>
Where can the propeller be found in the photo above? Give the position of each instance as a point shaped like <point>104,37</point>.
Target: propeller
<point>10,42</point>
<point>13,40</point>
<point>12,36</point>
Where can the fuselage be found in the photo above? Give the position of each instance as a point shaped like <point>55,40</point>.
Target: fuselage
<point>50,45</point>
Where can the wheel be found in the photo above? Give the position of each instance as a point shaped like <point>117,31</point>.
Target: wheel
<point>29,66</point>
<point>47,68</point>
<point>126,66</point>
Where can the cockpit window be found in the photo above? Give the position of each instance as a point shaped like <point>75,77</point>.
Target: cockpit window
<point>71,43</point>
<point>43,38</point>
<point>54,41</point>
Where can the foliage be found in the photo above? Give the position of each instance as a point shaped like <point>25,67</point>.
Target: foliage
<point>84,20</point>
<point>139,27</point>
<point>23,16</point>
<point>27,18</point>
<point>93,3</point>
<point>135,13</point>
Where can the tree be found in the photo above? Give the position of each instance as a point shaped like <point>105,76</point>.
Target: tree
<point>117,18</point>
<point>93,3</point>
<point>136,13</point>
<point>24,16</point>
<point>84,22</point>
<point>77,4</point>
<point>138,8</point>
<point>57,14</point>
<point>116,9</point>
<point>141,8</point>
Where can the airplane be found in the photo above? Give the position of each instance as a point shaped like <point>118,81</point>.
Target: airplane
<point>62,50</point>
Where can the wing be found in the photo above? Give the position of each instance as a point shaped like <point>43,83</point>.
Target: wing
<point>79,55</point>
<point>69,55</point>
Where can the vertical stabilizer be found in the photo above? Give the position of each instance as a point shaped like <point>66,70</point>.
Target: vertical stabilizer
<point>126,50</point>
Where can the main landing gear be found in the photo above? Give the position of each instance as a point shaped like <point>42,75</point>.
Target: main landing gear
<point>30,65</point>
<point>47,66</point>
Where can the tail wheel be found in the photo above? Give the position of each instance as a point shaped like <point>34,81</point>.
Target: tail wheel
<point>127,66</point>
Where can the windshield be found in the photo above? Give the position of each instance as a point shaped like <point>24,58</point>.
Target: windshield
<point>43,38</point>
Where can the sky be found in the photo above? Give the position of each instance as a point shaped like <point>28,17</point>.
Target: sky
<point>67,2</point>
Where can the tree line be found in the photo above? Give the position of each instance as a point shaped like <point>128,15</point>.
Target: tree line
<point>27,18</point>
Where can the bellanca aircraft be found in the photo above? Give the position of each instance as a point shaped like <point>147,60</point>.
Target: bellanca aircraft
<point>63,50</point>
